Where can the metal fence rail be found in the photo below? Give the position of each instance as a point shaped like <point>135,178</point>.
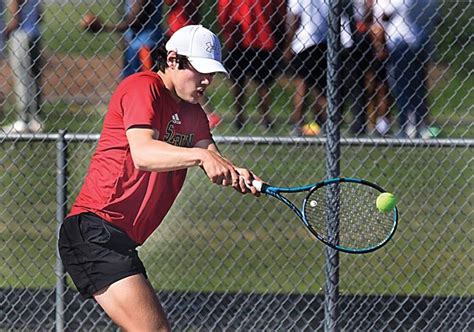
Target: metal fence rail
<point>221,261</point>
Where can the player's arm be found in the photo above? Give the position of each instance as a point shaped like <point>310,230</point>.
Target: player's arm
<point>149,154</point>
<point>245,175</point>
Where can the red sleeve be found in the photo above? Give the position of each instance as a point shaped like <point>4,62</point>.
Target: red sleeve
<point>139,103</point>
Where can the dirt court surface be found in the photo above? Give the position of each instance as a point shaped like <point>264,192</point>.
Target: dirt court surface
<point>72,78</point>
<point>91,80</point>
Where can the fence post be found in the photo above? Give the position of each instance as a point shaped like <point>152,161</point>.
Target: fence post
<point>61,201</point>
<point>333,123</point>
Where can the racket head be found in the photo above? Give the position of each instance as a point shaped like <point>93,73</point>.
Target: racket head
<point>358,226</point>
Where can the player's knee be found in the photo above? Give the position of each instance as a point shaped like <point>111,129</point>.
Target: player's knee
<point>152,322</point>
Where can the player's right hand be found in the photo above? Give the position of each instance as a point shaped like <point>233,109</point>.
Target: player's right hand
<point>218,169</point>
<point>91,23</point>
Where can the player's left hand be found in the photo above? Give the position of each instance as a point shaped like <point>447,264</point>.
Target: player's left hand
<point>244,185</point>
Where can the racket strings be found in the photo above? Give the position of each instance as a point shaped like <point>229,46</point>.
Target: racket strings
<point>360,224</point>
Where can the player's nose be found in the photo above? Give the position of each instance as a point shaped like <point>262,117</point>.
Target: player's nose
<point>207,79</point>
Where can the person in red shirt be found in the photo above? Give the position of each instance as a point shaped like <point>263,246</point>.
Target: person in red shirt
<point>153,132</point>
<point>182,13</point>
<point>254,32</point>
<point>186,12</point>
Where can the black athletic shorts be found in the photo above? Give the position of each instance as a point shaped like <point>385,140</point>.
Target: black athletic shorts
<point>96,254</point>
<point>311,65</point>
<point>262,66</point>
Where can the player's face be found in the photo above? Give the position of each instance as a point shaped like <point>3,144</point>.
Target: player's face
<point>191,84</point>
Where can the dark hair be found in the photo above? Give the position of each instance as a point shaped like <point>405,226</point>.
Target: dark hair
<point>161,55</point>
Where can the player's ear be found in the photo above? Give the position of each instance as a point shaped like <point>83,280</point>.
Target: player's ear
<point>172,60</point>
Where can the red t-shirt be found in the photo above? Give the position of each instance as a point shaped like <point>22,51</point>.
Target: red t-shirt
<point>133,200</point>
<point>182,13</point>
<point>257,24</point>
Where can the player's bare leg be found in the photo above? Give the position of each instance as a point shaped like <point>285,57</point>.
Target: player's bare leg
<point>133,305</point>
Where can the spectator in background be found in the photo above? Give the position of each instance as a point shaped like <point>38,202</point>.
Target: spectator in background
<point>23,32</point>
<point>364,57</point>
<point>409,27</point>
<point>306,52</point>
<point>381,99</point>
<point>357,55</point>
<point>141,33</point>
<point>180,14</point>
<point>253,36</point>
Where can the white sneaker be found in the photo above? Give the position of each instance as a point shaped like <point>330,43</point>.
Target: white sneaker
<point>382,125</point>
<point>411,131</point>
<point>17,127</point>
<point>35,126</point>
<point>429,132</point>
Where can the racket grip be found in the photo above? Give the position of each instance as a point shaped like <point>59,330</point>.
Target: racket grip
<point>256,184</point>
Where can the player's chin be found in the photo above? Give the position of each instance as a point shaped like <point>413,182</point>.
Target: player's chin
<point>194,98</point>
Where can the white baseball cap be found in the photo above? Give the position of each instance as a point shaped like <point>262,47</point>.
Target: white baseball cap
<point>200,45</point>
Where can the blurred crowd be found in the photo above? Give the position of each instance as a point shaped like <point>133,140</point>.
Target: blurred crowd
<point>386,47</point>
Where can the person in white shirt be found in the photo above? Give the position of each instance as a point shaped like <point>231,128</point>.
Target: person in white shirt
<point>364,66</point>
<point>306,52</point>
<point>357,54</point>
<point>409,27</point>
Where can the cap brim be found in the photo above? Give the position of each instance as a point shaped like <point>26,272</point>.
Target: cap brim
<point>207,66</point>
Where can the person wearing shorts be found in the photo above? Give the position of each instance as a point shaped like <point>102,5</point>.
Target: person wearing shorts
<point>83,239</point>
<point>254,33</point>
<point>310,66</point>
<point>153,132</point>
<point>260,65</point>
<point>306,53</point>
<point>409,28</point>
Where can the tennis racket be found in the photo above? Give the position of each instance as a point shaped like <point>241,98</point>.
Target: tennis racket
<point>341,212</point>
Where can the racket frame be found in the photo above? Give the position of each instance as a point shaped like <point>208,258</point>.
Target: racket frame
<point>277,191</point>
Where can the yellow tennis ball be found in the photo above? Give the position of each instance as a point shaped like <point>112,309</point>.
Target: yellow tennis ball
<point>386,202</point>
<point>311,129</point>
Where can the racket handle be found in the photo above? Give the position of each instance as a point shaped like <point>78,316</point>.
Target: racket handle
<point>256,184</point>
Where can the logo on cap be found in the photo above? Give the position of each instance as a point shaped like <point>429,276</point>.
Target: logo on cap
<point>210,47</point>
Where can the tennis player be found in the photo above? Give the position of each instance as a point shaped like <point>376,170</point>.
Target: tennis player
<point>153,132</point>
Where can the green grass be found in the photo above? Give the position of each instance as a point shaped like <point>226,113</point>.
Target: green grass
<point>216,240</point>
<point>62,34</point>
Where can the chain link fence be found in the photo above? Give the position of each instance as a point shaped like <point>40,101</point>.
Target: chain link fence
<point>221,261</point>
